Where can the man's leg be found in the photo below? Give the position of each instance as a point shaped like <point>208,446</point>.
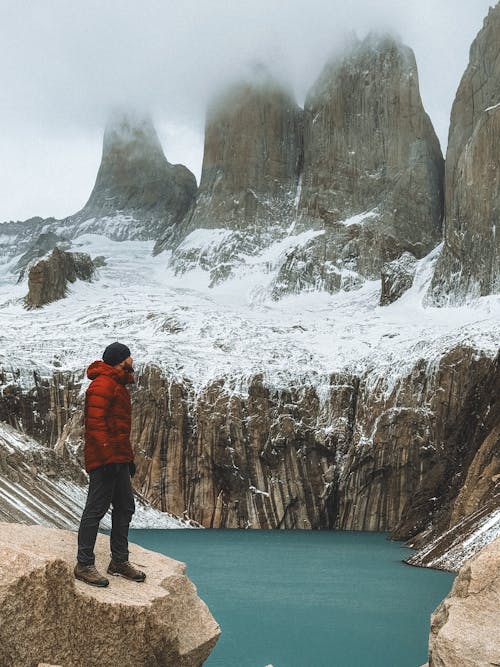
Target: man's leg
<point>121,514</point>
<point>101,487</point>
<point>123,509</point>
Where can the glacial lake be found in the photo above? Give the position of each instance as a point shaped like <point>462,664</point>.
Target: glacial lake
<point>307,598</point>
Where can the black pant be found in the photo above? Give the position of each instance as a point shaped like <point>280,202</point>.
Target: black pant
<point>109,485</point>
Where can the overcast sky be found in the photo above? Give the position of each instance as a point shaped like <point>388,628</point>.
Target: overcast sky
<point>65,63</point>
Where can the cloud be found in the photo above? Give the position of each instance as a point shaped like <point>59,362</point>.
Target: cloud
<point>64,65</point>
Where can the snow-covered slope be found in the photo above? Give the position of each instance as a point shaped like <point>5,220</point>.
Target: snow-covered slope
<point>235,329</point>
<point>37,487</point>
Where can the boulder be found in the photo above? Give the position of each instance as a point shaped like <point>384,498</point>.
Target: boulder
<point>464,628</point>
<point>46,615</point>
<point>469,264</point>
<point>397,277</point>
<point>48,279</point>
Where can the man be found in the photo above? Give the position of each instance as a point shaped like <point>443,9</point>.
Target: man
<point>109,463</point>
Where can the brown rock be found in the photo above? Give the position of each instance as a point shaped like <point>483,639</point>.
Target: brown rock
<point>464,628</point>
<point>397,277</point>
<point>45,613</point>
<point>469,265</point>
<point>48,279</point>
<point>251,164</point>
<point>371,158</point>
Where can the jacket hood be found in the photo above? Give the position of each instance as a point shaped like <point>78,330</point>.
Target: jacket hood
<point>98,367</point>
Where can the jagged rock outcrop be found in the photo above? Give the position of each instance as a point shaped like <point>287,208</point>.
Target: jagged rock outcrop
<point>397,277</point>
<point>469,265</point>
<point>251,164</point>
<point>48,279</point>
<point>360,170</point>
<point>464,628</point>
<point>373,169</point>
<point>138,193</point>
<point>160,622</point>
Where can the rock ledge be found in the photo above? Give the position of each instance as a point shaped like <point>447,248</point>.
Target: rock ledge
<point>48,616</point>
<point>464,628</point>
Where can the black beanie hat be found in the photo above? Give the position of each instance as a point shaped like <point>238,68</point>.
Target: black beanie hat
<point>115,353</point>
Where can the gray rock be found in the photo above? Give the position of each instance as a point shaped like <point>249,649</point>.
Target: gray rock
<point>469,265</point>
<point>138,194</point>
<point>373,169</point>
<point>397,277</point>
<point>48,279</point>
<point>251,164</point>
<point>161,622</point>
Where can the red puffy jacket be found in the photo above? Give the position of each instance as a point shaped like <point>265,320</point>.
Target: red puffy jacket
<point>107,416</point>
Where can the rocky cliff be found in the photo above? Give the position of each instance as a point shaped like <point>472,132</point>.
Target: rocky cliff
<point>469,265</point>
<point>464,628</point>
<point>352,182</point>
<point>373,169</point>
<point>251,164</point>
<point>137,193</point>
<point>161,622</point>
<point>360,455</point>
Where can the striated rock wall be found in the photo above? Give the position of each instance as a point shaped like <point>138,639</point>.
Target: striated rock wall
<point>161,622</point>
<point>469,265</point>
<point>473,496</point>
<point>358,454</point>
<point>46,409</point>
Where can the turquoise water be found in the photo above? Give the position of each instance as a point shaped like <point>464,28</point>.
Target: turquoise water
<point>307,598</point>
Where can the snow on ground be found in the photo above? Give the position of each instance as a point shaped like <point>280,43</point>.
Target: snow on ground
<point>235,329</point>
<point>34,497</point>
<point>463,541</point>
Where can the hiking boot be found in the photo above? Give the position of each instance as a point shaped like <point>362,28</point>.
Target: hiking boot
<point>125,570</point>
<point>90,575</point>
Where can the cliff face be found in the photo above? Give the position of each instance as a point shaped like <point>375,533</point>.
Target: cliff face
<point>360,168</point>
<point>359,456</point>
<point>251,163</point>
<point>373,169</point>
<point>469,265</point>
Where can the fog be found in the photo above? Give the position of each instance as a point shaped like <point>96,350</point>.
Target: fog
<point>65,65</point>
